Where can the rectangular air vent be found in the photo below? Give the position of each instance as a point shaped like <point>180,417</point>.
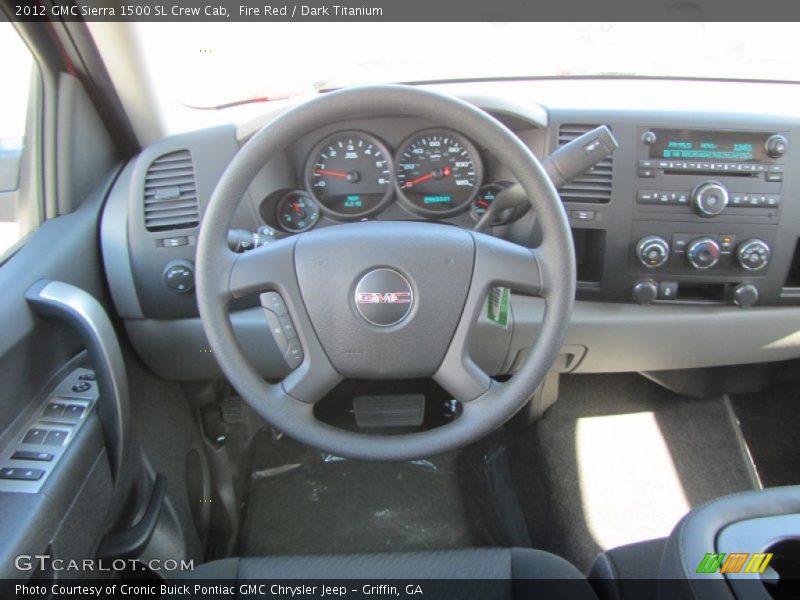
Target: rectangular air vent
<point>170,194</point>
<point>594,186</point>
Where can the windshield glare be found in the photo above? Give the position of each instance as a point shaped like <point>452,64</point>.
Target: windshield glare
<point>206,65</point>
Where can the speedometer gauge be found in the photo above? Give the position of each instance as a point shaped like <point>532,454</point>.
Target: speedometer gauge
<point>438,172</point>
<point>349,174</point>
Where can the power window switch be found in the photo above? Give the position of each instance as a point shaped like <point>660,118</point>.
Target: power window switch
<point>73,412</point>
<point>18,474</point>
<point>35,436</point>
<point>53,410</point>
<point>56,437</point>
<point>668,290</point>
<point>31,455</point>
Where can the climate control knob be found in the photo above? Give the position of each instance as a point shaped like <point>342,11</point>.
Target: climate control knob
<point>753,254</point>
<point>703,253</point>
<point>710,198</point>
<point>652,251</point>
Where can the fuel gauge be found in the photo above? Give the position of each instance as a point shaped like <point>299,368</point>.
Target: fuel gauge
<point>297,212</point>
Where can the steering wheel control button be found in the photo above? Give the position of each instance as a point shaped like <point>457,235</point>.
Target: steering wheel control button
<point>294,353</point>
<point>272,301</point>
<point>31,455</point>
<point>383,297</point>
<point>703,253</point>
<point>19,474</point>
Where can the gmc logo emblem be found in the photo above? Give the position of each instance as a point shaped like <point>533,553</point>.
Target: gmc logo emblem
<point>386,298</point>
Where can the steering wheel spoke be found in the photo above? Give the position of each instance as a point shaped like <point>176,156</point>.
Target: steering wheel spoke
<point>265,268</point>
<point>502,263</point>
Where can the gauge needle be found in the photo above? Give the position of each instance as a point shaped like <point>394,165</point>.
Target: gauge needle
<point>331,173</point>
<point>443,173</point>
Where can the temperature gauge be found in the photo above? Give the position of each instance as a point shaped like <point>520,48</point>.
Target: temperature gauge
<point>297,212</point>
<point>482,202</point>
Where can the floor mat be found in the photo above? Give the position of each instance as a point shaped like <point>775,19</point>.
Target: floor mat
<point>769,421</point>
<point>619,460</point>
<point>308,502</point>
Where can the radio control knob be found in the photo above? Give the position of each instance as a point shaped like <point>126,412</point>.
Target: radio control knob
<point>745,295</point>
<point>703,253</point>
<point>645,291</point>
<point>753,254</point>
<point>776,145</point>
<point>709,198</point>
<point>652,251</point>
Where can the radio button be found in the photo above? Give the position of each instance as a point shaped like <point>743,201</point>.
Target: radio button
<point>710,198</point>
<point>646,164</point>
<point>774,177</point>
<point>647,173</point>
<point>776,145</point>
<point>645,197</point>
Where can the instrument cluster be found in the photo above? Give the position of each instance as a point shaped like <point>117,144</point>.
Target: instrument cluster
<point>352,175</point>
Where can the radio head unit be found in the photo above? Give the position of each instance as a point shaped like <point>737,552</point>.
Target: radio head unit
<point>713,145</point>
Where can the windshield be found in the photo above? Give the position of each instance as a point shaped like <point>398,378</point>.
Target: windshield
<point>211,64</point>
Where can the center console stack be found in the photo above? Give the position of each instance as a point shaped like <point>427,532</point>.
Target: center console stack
<point>697,214</point>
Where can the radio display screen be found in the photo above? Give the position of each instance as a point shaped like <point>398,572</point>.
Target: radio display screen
<point>722,146</point>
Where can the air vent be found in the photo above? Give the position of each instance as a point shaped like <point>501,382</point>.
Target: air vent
<point>594,186</point>
<point>170,194</point>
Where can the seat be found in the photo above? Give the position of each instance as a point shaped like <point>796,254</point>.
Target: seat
<point>518,572</point>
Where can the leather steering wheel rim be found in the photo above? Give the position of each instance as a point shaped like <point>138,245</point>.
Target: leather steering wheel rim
<point>547,271</point>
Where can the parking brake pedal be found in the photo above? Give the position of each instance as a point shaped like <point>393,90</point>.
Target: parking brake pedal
<point>401,410</point>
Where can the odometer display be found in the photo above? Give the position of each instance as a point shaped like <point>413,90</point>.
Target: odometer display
<point>438,172</point>
<point>349,174</point>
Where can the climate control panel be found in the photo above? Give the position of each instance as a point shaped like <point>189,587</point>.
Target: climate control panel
<point>703,252</point>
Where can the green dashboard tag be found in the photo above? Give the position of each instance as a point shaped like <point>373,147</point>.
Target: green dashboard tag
<point>497,305</point>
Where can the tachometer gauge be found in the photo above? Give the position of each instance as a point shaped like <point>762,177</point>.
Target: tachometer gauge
<point>438,172</point>
<point>297,212</point>
<point>350,174</point>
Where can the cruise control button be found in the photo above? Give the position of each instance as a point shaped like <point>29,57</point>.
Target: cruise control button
<point>274,302</point>
<point>276,329</point>
<point>288,327</point>
<point>294,354</point>
<point>18,474</point>
<point>87,377</point>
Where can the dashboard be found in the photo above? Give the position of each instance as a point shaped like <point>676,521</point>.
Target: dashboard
<point>692,219</point>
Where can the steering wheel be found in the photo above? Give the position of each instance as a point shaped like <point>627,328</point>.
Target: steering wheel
<point>385,300</point>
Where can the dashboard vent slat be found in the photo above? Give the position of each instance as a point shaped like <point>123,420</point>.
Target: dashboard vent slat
<point>594,186</point>
<point>170,193</point>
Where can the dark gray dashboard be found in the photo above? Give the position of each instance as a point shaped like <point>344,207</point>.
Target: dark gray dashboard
<point>688,322</point>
